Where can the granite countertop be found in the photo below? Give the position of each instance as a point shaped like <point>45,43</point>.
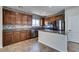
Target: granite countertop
<point>54,31</point>
<point>19,29</point>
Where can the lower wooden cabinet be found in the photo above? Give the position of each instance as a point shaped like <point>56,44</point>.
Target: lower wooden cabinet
<point>29,34</point>
<point>23,35</point>
<point>7,38</point>
<point>16,36</point>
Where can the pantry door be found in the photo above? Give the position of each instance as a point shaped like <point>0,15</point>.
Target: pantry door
<point>73,34</point>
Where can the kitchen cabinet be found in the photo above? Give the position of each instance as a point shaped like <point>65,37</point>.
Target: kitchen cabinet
<point>23,35</point>
<point>7,38</point>
<point>60,17</point>
<point>28,34</point>
<point>46,21</point>
<point>42,22</point>
<point>9,17</point>
<point>6,17</point>
<point>13,17</point>
<point>16,36</point>
<point>18,18</point>
<point>29,21</point>
<point>24,19</point>
<point>52,19</point>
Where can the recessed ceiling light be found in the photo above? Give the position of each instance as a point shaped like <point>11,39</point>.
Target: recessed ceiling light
<point>20,6</point>
<point>50,6</point>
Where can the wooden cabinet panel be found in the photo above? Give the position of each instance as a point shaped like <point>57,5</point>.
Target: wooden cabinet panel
<point>28,34</point>
<point>42,21</point>
<point>13,17</point>
<point>9,17</point>
<point>7,38</point>
<point>23,35</point>
<point>13,37</point>
<point>53,18</point>
<point>24,19</point>
<point>6,17</point>
<point>46,21</point>
<point>60,17</point>
<point>16,36</point>
<point>29,20</point>
<point>18,18</point>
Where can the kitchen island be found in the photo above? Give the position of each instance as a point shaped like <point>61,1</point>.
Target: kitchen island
<point>53,39</point>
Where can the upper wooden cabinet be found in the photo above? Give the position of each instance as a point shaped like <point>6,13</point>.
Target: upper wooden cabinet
<point>9,17</point>
<point>13,17</point>
<point>52,19</point>
<point>41,21</point>
<point>46,21</point>
<point>60,17</point>
<point>6,17</point>
<point>29,20</point>
<point>18,18</point>
<point>24,19</point>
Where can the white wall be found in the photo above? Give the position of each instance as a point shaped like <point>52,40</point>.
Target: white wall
<point>71,22</point>
<point>1,27</point>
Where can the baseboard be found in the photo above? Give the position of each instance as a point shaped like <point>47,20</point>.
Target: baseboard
<point>73,42</point>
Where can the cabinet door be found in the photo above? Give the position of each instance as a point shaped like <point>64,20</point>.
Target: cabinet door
<point>6,17</point>
<point>60,17</point>
<point>29,20</point>
<point>18,18</point>
<point>52,19</point>
<point>28,34</point>
<point>41,21</point>
<point>46,21</point>
<point>13,17</point>
<point>16,36</point>
<point>24,19</point>
<point>23,35</point>
<point>7,38</point>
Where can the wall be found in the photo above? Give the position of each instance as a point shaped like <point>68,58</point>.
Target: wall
<point>1,27</point>
<point>71,22</point>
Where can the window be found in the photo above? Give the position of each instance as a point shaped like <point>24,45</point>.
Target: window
<point>36,22</point>
<point>33,22</point>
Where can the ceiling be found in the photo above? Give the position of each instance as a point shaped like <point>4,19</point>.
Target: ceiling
<point>40,10</point>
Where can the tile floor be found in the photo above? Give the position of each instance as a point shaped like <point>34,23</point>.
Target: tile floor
<point>31,45</point>
<point>73,46</point>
